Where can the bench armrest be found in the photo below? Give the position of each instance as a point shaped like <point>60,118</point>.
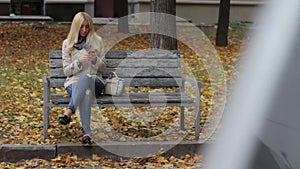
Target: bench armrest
<point>196,83</point>
<point>198,99</point>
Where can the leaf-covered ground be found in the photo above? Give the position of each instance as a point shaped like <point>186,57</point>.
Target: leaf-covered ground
<point>24,61</point>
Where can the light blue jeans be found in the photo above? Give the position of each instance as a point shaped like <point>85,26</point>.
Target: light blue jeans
<point>83,94</point>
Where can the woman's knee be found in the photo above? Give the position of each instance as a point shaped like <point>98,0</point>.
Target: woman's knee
<point>85,81</point>
<point>85,77</point>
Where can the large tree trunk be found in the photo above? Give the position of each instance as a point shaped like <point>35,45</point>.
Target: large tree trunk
<point>223,23</point>
<point>122,7</point>
<point>165,24</point>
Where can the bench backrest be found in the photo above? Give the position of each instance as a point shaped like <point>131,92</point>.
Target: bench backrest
<point>144,68</point>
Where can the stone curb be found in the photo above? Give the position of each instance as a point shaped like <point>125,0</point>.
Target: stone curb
<point>13,153</point>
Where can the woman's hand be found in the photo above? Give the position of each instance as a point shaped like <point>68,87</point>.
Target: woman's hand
<point>84,58</point>
<point>92,55</point>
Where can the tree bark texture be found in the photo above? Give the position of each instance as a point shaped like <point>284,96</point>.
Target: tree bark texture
<point>163,34</point>
<point>223,23</point>
<point>122,6</point>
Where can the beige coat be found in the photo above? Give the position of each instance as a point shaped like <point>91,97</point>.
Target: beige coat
<point>73,69</point>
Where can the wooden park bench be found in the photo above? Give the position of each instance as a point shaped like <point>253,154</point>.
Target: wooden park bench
<point>152,68</point>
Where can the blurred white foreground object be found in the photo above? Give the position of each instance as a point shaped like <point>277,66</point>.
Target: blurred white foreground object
<point>261,126</point>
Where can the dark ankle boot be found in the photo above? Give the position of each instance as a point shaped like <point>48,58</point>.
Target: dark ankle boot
<point>64,120</point>
<point>86,140</point>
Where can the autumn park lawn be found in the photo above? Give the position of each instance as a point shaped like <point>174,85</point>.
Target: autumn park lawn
<point>24,61</point>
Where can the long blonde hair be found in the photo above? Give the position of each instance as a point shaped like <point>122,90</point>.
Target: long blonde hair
<point>73,35</point>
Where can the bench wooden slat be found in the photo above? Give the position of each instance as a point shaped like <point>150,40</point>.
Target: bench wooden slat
<point>122,54</point>
<point>127,72</point>
<point>55,54</point>
<point>154,54</point>
<point>137,95</point>
<point>57,73</point>
<point>146,98</point>
<point>133,82</point>
<point>56,63</point>
<point>140,63</point>
<point>57,82</point>
<point>130,63</point>
<point>145,72</point>
<point>153,82</point>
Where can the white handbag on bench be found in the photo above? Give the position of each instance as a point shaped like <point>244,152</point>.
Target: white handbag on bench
<point>114,85</point>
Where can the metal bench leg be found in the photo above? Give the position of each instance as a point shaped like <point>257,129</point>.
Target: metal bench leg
<point>182,118</point>
<point>46,121</point>
<point>46,108</point>
<point>197,124</point>
<point>198,115</point>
